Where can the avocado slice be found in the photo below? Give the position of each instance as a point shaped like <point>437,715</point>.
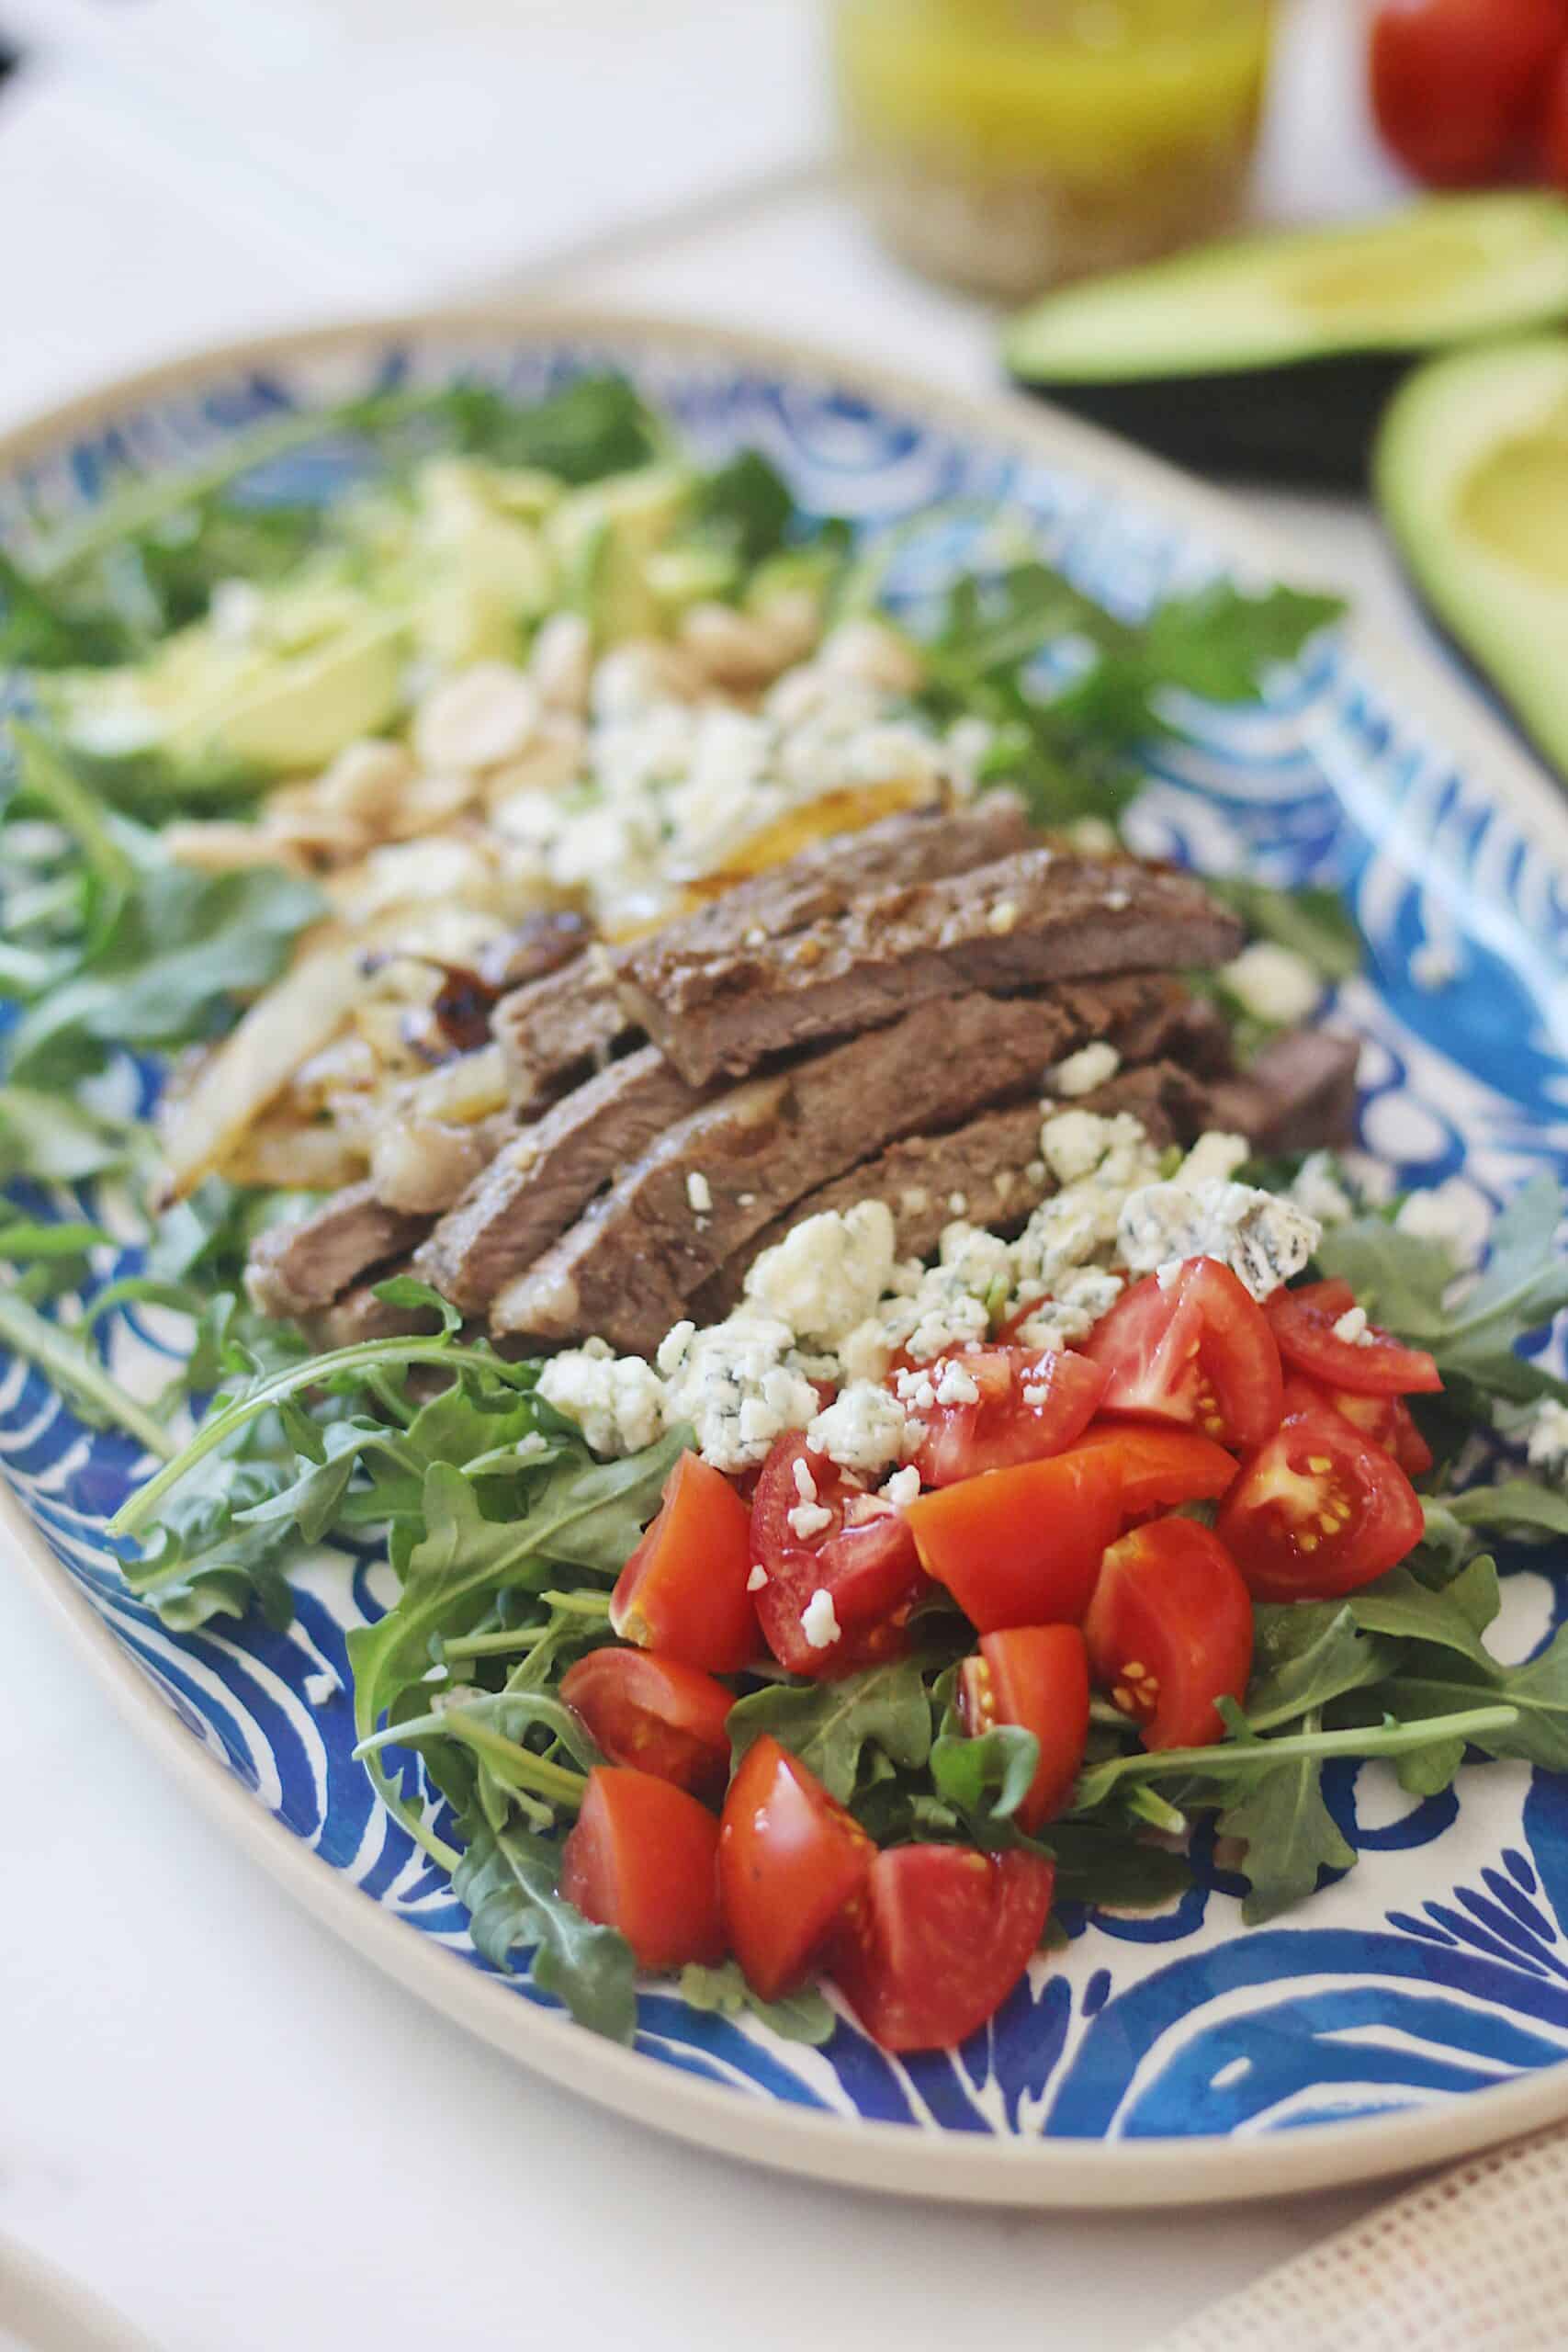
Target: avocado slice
<point>1471,470</point>
<point>604,538</point>
<point>212,713</point>
<point>1274,356</point>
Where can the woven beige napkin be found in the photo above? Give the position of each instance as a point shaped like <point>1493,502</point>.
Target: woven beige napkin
<point>1473,2261</point>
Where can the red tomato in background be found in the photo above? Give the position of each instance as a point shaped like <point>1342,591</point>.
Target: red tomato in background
<point>1377,1364</point>
<point>683,1592</point>
<point>1387,1420</point>
<point>655,1713</point>
<point>1157,1467</point>
<point>1169,1631</point>
<point>1036,1675</point>
<point>789,1861</point>
<point>937,1942</point>
<point>1555,126</point>
<point>1320,1510</point>
<point>1198,1352</point>
<point>641,1859</point>
<point>863,1557</point>
<point>1032,1402</point>
<point>1457,86</point>
<point>1021,1547</point>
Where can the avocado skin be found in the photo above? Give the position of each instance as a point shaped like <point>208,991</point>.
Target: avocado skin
<point>1306,426</point>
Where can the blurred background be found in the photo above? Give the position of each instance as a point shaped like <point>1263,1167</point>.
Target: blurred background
<point>189,170</point>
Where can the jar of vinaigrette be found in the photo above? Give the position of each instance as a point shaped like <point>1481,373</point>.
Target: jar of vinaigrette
<point>1004,144</point>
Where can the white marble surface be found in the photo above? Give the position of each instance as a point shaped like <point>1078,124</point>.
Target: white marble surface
<point>210,2115</point>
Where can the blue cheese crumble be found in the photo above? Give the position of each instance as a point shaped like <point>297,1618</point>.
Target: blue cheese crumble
<point>1264,1240</point>
<point>733,1384</point>
<point>618,1402</point>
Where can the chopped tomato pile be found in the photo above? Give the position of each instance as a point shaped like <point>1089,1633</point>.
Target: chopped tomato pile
<point>1061,1502</point>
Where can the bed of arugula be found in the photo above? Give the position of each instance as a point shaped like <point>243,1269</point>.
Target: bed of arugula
<point>114,957</point>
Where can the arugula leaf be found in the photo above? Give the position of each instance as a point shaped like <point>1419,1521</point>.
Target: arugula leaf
<point>1101,1864</point>
<point>1406,1282</point>
<point>1222,642</point>
<point>1304,1654</point>
<point>145,563</point>
<point>745,509</point>
<point>1433,1682</point>
<point>591,1516</point>
<point>70,1363</point>
<point>506,1880</point>
<point>807,2015</point>
<point>1315,925</point>
<point>56,1139</point>
<point>1513,1507</point>
<point>1454,1618</point>
<point>1290,1837</point>
<point>1064,749</point>
<point>1461,1717</point>
<point>987,1777</point>
<point>828,1725</point>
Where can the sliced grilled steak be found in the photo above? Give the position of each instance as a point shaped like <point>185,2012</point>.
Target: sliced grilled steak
<point>360,1315</point>
<point>824,881</point>
<point>557,1031</point>
<point>1021,923</point>
<point>988,1171</point>
<point>540,944</point>
<point>723,1173</point>
<point>296,1269</point>
<point>1299,1093</point>
<point>540,1181</point>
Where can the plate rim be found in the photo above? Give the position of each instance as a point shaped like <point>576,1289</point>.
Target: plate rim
<point>1065,2173</point>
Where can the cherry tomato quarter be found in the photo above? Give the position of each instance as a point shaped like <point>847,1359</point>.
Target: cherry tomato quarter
<point>653,1713</point>
<point>1338,1346</point>
<point>814,1530</point>
<point>641,1859</point>
<point>683,1592</point>
<point>1037,1677</point>
<point>1318,1511</point>
<point>1169,1631</point>
<point>1195,1349</point>
<point>1028,1402</point>
<point>938,1940</point>
<point>1022,1546</point>
<point>790,1859</point>
<point>1158,1466</point>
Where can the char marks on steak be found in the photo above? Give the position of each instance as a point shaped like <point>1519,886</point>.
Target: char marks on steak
<point>1022,922</point>
<point>298,1268</point>
<point>715,1179</point>
<point>542,1179</point>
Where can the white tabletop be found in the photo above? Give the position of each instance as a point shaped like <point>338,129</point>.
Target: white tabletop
<point>210,2115</point>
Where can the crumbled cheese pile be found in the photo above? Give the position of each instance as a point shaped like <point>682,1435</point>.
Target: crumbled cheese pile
<point>833,1302</point>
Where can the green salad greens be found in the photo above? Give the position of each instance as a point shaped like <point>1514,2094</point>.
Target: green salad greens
<point>193,646</point>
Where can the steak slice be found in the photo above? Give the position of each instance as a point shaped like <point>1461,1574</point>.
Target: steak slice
<point>540,1180</point>
<point>360,1315</point>
<point>988,1171</point>
<point>1298,1094</point>
<point>298,1268</point>
<point>710,1184</point>
<point>557,1030</point>
<point>825,879</point>
<point>1021,923</point>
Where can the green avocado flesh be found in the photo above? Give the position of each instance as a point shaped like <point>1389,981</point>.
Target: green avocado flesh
<point>1276,353</point>
<point>1472,472</point>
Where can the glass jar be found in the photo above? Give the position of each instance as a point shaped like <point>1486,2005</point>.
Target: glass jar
<point>1004,144</point>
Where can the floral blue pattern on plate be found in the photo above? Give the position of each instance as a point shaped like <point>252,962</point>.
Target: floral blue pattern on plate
<point>1439,1967</point>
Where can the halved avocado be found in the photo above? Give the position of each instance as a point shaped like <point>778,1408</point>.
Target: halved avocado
<point>1471,469</point>
<point>1274,356</point>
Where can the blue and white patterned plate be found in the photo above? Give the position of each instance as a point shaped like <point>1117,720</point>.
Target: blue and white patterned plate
<point>1418,2008</point>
